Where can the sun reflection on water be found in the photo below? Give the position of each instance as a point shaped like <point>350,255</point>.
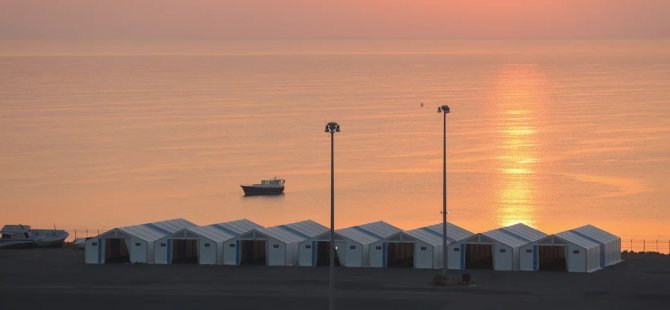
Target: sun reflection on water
<point>518,97</point>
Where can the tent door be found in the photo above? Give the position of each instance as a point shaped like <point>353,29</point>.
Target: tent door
<point>552,258</point>
<point>478,256</point>
<point>323,254</point>
<point>400,254</point>
<point>116,251</point>
<point>253,252</point>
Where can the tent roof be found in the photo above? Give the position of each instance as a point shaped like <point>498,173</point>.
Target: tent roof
<point>223,231</point>
<point>591,233</point>
<point>156,230</point>
<point>515,235</point>
<point>433,234</point>
<point>370,232</point>
<point>575,239</point>
<point>229,230</point>
<point>294,232</point>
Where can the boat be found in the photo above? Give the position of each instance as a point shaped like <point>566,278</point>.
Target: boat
<point>272,186</point>
<point>80,243</point>
<point>22,236</point>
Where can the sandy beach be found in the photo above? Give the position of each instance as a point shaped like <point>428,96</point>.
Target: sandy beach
<point>58,278</point>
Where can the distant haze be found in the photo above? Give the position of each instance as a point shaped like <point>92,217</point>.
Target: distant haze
<point>342,19</point>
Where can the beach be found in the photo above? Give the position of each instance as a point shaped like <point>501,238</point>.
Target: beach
<point>58,278</point>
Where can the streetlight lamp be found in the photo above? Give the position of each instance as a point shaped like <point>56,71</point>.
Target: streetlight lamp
<point>444,110</point>
<point>332,127</point>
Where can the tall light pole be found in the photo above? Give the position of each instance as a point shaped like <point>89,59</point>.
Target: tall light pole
<point>444,110</point>
<point>332,127</point>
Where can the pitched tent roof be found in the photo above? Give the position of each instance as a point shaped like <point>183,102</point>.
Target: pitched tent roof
<point>229,230</point>
<point>515,235</point>
<point>294,232</point>
<point>594,234</point>
<point>576,239</point>
<point>370,232</point>
<point>433,234</point>
<point>155,230</point>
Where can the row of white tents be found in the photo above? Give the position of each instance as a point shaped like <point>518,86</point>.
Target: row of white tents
<point>377,244</point>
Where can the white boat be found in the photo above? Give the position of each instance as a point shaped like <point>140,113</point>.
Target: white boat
<point>16,236</point>
<point>267,187</point>
<point>79,243</point>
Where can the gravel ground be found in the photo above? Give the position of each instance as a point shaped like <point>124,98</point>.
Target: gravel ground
<point>58,279</point>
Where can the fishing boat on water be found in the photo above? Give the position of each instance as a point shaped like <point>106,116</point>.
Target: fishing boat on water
<point>22,236</point>
<point>272,186</point>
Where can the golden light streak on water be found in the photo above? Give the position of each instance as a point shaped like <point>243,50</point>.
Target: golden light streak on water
<point>519,96</point>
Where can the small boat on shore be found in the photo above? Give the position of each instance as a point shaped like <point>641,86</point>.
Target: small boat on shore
<point>22,236</point>
<point>266,187</point>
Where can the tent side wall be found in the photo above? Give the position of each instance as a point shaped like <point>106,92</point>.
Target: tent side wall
<point>503,257</point>
<point>305,256</point>
<point>376,258</point>
<point>591,259</point>
<point>161,251</point>
<point>578,258</point>
<point>231,252</point>
<point>362,260</point>
<point>425,255</point>
<point>93,251</point>
<point>528,257</point>
<point>454,256</point>
<point>140,251</point>
<point>613,252</point>
<point>207,251</point>
<point>277,253</point>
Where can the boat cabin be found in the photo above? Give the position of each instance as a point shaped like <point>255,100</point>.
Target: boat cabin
<point>15,232</point>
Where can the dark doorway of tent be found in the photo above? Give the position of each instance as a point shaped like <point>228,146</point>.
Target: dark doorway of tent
<point>478,256</point>
<point>323,254</point>
<point>552,258</point>
<point>116,251</point>
<point>253,252</point>
<point>400,254</point>
<point>184,251</point>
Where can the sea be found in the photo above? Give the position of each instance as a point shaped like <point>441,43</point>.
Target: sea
<point>554,134</point>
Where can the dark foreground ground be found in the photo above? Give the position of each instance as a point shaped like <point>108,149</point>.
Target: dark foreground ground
<point>58,279</point>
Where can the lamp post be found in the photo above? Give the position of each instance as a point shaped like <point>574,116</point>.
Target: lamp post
<point>444,110</point>
<point>332,127</point>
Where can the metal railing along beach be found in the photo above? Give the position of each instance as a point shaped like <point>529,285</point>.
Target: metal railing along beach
<point>641,245</point>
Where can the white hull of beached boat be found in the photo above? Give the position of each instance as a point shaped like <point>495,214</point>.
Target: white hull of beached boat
<point>17,236</point>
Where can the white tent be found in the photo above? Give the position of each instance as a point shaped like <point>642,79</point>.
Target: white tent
<point>496,249</point>
<point>132,244</point>
<point>275,246</point>
<point>315,251</point>
<point>428,244</point>
<point>352,244</point>
<point>583,249</point>
<point>203,245</point>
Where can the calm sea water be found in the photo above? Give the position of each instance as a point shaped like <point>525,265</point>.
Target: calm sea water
<point>551,134</point>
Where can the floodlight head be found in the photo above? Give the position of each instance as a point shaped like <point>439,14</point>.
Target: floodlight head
<point>443,109</point>
<point>332,127</point>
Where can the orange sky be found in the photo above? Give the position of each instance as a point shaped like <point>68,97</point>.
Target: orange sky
<point>347,19</point>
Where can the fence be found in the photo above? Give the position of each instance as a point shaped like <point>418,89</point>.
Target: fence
<point>83,232</point>
<point>661,246</point>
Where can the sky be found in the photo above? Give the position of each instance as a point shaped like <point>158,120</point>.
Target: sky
<point>326,19</point>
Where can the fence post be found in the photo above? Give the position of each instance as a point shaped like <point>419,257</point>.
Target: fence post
<point>644,245</point>
<point>631,245</point>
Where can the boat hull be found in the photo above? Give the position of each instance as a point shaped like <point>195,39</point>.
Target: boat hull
<point>260,191</point>
<point>17,244</point>
<point>50,243</point>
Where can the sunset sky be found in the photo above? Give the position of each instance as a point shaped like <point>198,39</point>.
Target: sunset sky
<point>342,19</point>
